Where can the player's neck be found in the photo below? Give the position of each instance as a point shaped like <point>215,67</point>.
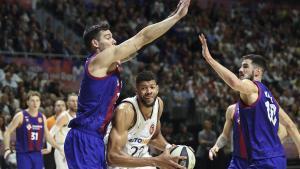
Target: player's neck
<point>257,78</point>
<point>32,112</point>
<point>72,113</point>
<point>145,110</point>
<point>57,114</point>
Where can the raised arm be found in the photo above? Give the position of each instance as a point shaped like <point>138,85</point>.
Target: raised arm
<point>125,50</point>
<point>158,141</point>
<point>123,120</point>
<point>225,135</point>
<point>243,86</point>
<point>291,128</point>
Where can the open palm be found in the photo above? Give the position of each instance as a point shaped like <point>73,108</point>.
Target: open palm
<point>205,51</point>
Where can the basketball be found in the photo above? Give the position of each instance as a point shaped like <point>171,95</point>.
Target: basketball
<point>182,150</point>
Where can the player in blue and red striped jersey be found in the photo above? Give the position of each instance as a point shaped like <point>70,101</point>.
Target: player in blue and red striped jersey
<point>232,124</point>
<point>100,88</point>
<point>31,128</point>
<point>259,113</point>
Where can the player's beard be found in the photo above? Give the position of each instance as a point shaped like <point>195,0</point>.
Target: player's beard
<point>73,109</point>
<point>148,104</point>
<point>249,77</point>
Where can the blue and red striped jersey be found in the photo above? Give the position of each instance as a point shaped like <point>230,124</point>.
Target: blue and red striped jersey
<point>30,134</point>
<point>96,100</point>
<point>257,132</point>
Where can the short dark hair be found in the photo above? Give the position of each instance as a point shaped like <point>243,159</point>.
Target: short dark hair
<point>92,31</point>
<point>257,60</point>
<point>145,76</point>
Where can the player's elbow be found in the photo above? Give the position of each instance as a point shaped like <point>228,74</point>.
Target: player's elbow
<point>143,38</point>
<point>112,159</point>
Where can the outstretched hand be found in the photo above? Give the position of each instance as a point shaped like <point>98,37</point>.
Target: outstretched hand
<point>182,8</point>
<point>213,152</point>
<point>205,51</point>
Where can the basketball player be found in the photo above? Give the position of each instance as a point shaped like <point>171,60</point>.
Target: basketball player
<point>100,88</point>
<point>59,107</point>
<point>233,122</point>
<point>136,124</point>
<point>31,127</point>
<point>258,111</point>
<point>60,129</point>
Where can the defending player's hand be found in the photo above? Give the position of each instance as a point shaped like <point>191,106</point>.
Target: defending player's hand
<point>205,51</point>
<point>213,152</point>
<point>165,160</point>
<point>182,8</point>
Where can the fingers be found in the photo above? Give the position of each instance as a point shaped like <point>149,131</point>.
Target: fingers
<point>177,158</point>
<point>176,165</point>
<point>202,39</point>
<point>213,152</point>
<point>210,155</point>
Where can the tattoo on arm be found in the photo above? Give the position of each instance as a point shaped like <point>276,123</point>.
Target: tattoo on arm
<point>222,141</point>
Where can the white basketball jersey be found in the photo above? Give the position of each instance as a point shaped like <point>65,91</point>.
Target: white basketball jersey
<point>141,133</point>
<point>62,133</point>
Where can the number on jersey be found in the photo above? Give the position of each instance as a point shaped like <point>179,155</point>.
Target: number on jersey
<point>34,136</point>
<point>271,109</point>
<point>136,150</point>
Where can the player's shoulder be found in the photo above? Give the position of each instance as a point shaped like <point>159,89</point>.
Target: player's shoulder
<point>63,116</point>
<point>125,110</point>
<point>231,107</point>
<point>19,115</point>
<point>125,107</point>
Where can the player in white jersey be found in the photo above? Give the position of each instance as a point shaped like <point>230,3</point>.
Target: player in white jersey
<point>136,125</point>
<point>60,130</point>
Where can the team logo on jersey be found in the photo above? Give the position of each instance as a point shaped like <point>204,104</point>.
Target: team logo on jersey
<point>151,130</point>
<point>28,127</point>
<point>40,120</point>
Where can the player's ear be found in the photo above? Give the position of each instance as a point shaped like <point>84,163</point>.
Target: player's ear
<point>258,72</point>
<point>95,43</point>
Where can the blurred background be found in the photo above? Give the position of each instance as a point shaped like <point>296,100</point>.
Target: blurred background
<point>41,49</point>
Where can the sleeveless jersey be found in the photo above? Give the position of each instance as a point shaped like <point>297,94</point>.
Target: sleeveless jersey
<point>96,100</point>
<point>259,125</point>
<point>30,134</point>
<point>239,147</point>
<point>142,131</point>
<point>61,135</point>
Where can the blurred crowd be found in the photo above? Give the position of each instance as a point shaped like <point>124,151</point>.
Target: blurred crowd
<point>193,94</point>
